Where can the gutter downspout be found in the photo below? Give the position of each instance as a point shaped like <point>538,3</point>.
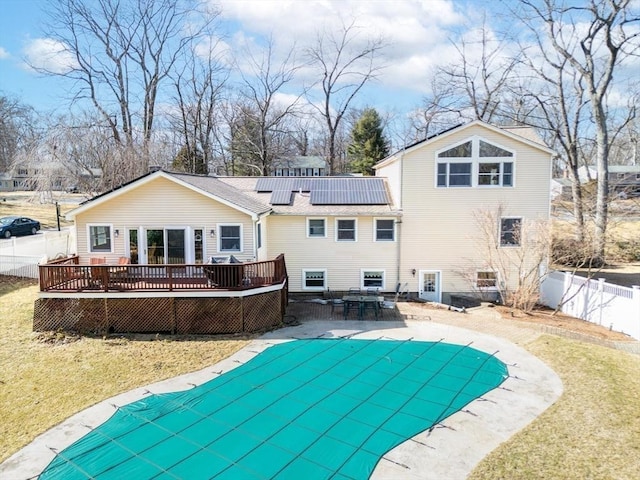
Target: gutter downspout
<point>399,222</point>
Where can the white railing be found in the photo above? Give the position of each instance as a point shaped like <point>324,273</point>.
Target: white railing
<point>612,306</point>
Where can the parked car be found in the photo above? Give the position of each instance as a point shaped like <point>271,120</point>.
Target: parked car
<point>18,226</point>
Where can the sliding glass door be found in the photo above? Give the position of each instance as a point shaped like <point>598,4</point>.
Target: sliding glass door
<point>166,246</point>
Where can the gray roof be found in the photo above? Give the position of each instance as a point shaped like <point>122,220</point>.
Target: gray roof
<point>224,191</point>
<point>300,203</point>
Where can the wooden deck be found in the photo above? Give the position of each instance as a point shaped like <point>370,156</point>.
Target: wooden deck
<point>68,275</point>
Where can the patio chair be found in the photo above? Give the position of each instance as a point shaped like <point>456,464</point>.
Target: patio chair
<point>97,275</point>
<point>334,302</point>
<point>355,291</point>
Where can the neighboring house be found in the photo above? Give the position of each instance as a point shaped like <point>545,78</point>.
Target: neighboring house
<point>48,176</point>
<point>561,189</point>
<point>624,180</point>
<point>412,225</point>
<point>301,166</point>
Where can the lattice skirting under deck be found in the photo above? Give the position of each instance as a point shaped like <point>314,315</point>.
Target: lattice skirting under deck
<point>252,313</point>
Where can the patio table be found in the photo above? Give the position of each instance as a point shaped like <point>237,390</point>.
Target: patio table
<point>362,302</point>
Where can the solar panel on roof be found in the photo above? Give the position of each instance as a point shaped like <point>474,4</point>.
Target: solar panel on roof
<point>326,191</point>
<point>280,197</point>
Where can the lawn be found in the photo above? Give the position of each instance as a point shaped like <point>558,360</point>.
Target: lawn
<point>47,378</point>
<point>593,431</point>
<point>45,213</point>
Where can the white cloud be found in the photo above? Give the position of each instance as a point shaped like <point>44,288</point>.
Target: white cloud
<point>48,54</point>
<point>4,54</point>
<point>415,32</point>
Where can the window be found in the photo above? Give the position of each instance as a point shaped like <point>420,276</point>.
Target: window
<point>489,150</point>
<point>229,238</point>
<point>510,232</point>
<point>198,245</point>
<point>346,230</point>
<point>385,230</point>
<point>460,151</point>
<point>475,163</point>
<point>100,238</point>
<point>487,279</point>
<point>496,174</point>
<point>373,279</point>
<point>259,234</point>
<point>314,279</point>
<point>454,174</point>
<point>316,227</point>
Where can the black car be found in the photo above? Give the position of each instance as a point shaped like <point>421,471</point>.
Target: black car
<point>18,226</point>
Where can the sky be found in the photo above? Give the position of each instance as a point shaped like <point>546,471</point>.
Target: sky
<point>418,35</point>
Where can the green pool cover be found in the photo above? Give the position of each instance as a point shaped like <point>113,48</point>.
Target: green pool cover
<point>312,409</point>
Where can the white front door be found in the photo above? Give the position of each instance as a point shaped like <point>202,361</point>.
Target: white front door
<point>430,285</point>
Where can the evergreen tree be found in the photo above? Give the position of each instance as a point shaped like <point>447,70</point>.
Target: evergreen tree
<point>190,160</point>
<point>368,144</point>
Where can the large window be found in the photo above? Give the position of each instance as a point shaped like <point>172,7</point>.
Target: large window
<point>229,238</point>
<point>454,174</point>
<point>316,227</point>
<point>510,232</point>
<point>314,279</point>
<point>346,230</point>
<point>495,174</point>
<point>486,280</point>
<point>373,279</point>
<point>385,230</point>
<point>475,163</point>
<point>100,238</point>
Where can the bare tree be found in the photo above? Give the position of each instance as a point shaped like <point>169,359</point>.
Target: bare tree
<point>516,251</point>
<point>266,117</point>
<point>593,37</point>
<point>561,113</point>
<point>19,130</point>
<point>345,66</point>
<point>121,53</point>
<point>476,85</point>
<point>199,89</point>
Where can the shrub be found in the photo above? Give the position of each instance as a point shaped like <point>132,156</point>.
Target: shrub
<point>571,253</point>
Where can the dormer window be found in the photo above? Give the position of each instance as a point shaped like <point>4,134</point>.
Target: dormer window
<point>475,163</point>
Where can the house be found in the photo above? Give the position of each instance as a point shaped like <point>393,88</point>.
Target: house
<point>300,166</point>
<point>47,176</point>
<point>445,219</point>
<point>624,180</point>
<point>413,224</point>
<point>445,186</point>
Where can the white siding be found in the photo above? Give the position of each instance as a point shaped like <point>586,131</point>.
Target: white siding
<point>439,229</point>
<point>162,203</point>
<point>343,261</point>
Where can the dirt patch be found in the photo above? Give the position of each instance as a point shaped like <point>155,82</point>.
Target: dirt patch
<point>546,317</point>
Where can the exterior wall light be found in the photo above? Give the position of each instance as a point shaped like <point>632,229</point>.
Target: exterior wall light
<point>212,233</point>
<point>116,233</point>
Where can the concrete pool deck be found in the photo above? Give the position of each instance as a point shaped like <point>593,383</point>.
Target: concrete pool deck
<point>448,451</point>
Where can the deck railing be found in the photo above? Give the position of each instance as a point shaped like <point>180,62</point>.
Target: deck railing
<point>67,275</point>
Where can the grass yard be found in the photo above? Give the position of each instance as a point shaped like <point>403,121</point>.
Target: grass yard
<point>593,431</point>
<point>45,213</point>
<point>47,378</point>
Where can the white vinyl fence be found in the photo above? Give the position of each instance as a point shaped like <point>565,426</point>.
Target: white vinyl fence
<point>20,257</point>
<point>20,266</point>
<point>594,300</point>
